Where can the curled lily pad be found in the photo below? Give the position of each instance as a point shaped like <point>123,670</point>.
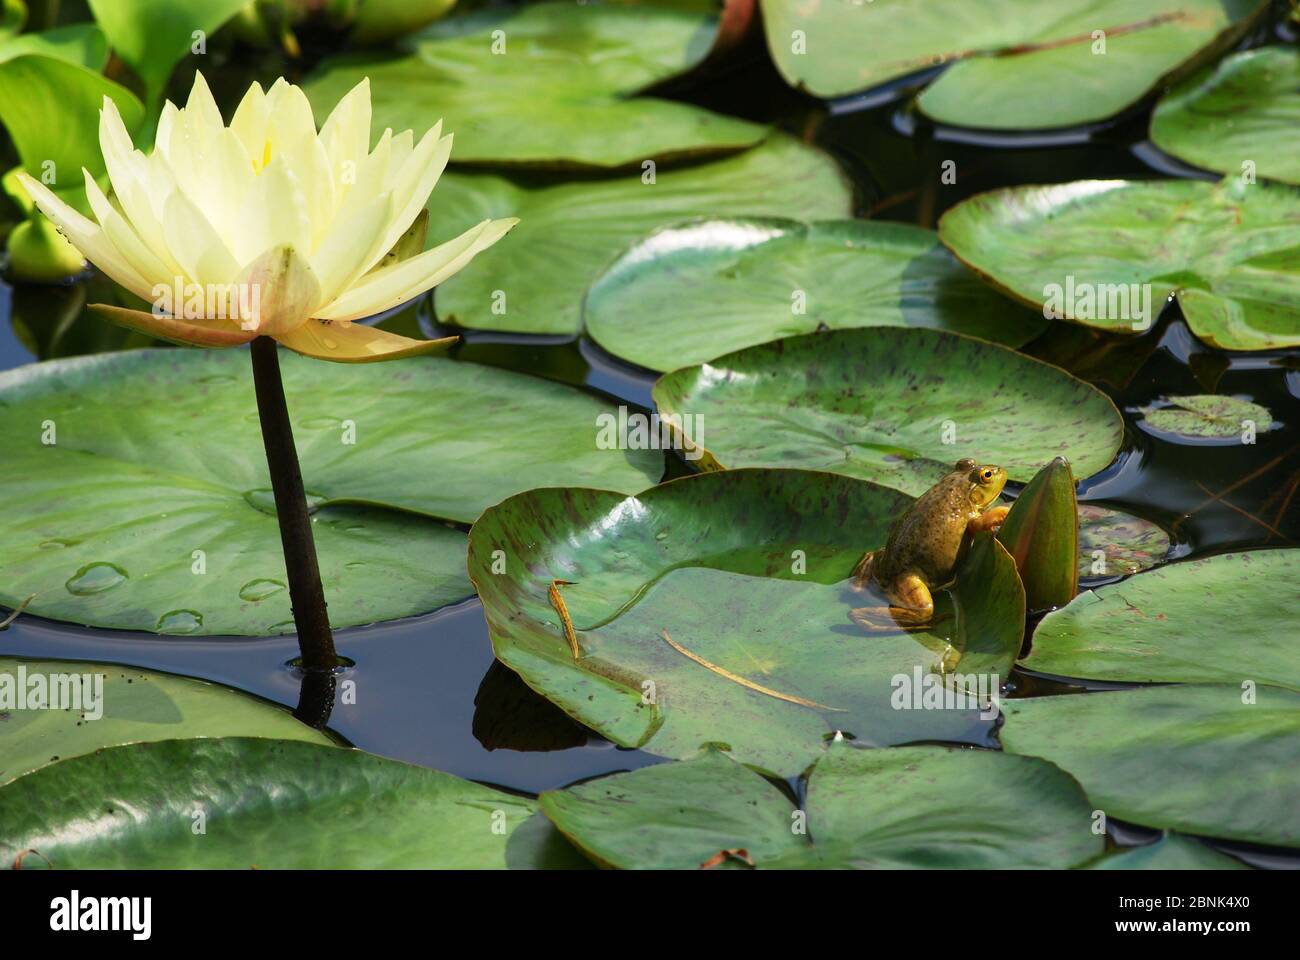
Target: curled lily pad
<point>1108,253</point>
<point>715,609</point>
<point>1015,64</point>
<point>579,69</point>
<point>891,405</point>
<point>1208,417</point>
<point>264,804</point>
<point>910,807</point>
<point>1169,624</point>
<point>1208,759</point>
<point>155,513</point>
<point>1237,117</point>
<point>88,706</point>
<point>1171,852</point>
<point>697,290</point>
<point>152,36</point>
<point>570,230</point>
<point>1041,531</point>
<point>1113,543</point>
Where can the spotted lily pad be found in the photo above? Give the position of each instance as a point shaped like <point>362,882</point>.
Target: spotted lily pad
<point>1108,253</point>
<point>1113,543</point>
<point>905,807</point>
<point>1209,759</point>
<point>579,70</point>
<point>1238,117</point>
<point>136,496</point>
<point>1208,417</point>
<point>1229,618</point>
<point>697,290</point>
<point>1171,852</point>
<point>1014,64</point>
<point>570,230</point>
<point>261,804</point>
<point>892,405</point>
<point>52,710</point>
<point>715,609</point>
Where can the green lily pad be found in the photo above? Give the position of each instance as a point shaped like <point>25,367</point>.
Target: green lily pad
<point>1192,758</point>
<point>152,36</point>
<point>1107,254</point>
<point>1207,416</point>
<point>578,68</point>
<point>694,291</point>
<point>1015,64</point>
<point>1114,543</point>
<point>124,705</point>
<point>1242,111</point>
<point>277,804</point>
<point>79,43</point>
<point>570,230</point>
<point>891,405</point>
<point>1229,618</point>
<point>905,807</point>
<point>1171,852</point>
<point>715,609</point>
<point>157,454</point>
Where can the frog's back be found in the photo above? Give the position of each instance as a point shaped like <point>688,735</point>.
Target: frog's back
<point>927,539</point>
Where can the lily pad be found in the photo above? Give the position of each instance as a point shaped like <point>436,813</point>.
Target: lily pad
<point>570,230</point>
<point>136,496</point>
<point>152,36</point>
<point>1108,253</point>
<point>1242,111</point>
<point>277,804</point>
<point>1206,416</point>
<point>1171,852</point>
<point>891,405</point>
<point>1229,618</point>
<point>1014,64</point>
<point>124,705</point>
<point>579,69</point>
<point>694,291</point>
<point>1193,758</point>
<point>1114,543</point>
<point>715,609</point>
<point>905,807</point>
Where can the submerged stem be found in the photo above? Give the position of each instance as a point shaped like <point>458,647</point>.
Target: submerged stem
<point>306,595</point>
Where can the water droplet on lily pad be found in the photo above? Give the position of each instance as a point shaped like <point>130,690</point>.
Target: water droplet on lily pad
<point>661,535</point>
<point>317,423</point>
<point>263,499</point>
<point>95,578</point>
<point>256,590</point>
<point>55,543</point>
<point>180,621</point>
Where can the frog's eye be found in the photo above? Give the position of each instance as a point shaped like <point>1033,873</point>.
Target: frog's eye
<point>986,474</point>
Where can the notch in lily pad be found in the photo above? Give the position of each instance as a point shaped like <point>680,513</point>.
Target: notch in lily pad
<point>1041,532</point>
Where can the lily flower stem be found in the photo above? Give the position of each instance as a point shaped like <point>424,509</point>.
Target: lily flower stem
<point>306,595</point>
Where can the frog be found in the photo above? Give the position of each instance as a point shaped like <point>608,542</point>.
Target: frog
<point>925,546</point>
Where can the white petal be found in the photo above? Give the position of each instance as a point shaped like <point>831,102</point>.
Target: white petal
<point>196,245</point>
<point>350,245</point>
<point>250,125</point>
<point>283,288</point>
<point>272,214</point>
<point>87,238</point>
<point>392,286</point>
<point>123,236</point>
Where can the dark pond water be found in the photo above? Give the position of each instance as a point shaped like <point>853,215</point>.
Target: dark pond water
<point>428,690</point>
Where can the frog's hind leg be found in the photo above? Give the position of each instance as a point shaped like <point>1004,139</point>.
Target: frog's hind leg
<point>911,608</point>
<point>862,573</point>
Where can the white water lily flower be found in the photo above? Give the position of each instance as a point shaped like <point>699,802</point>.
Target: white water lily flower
<point>265,227</point>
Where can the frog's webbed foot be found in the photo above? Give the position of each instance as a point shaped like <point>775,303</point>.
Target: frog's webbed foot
<point>911,611</point>
<point>862,573</point>
<point>990,520</point>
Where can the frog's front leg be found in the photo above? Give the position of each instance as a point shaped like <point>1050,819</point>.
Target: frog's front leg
<point>911,608</point>
<point>991,519</point>
<point>864,571</point>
